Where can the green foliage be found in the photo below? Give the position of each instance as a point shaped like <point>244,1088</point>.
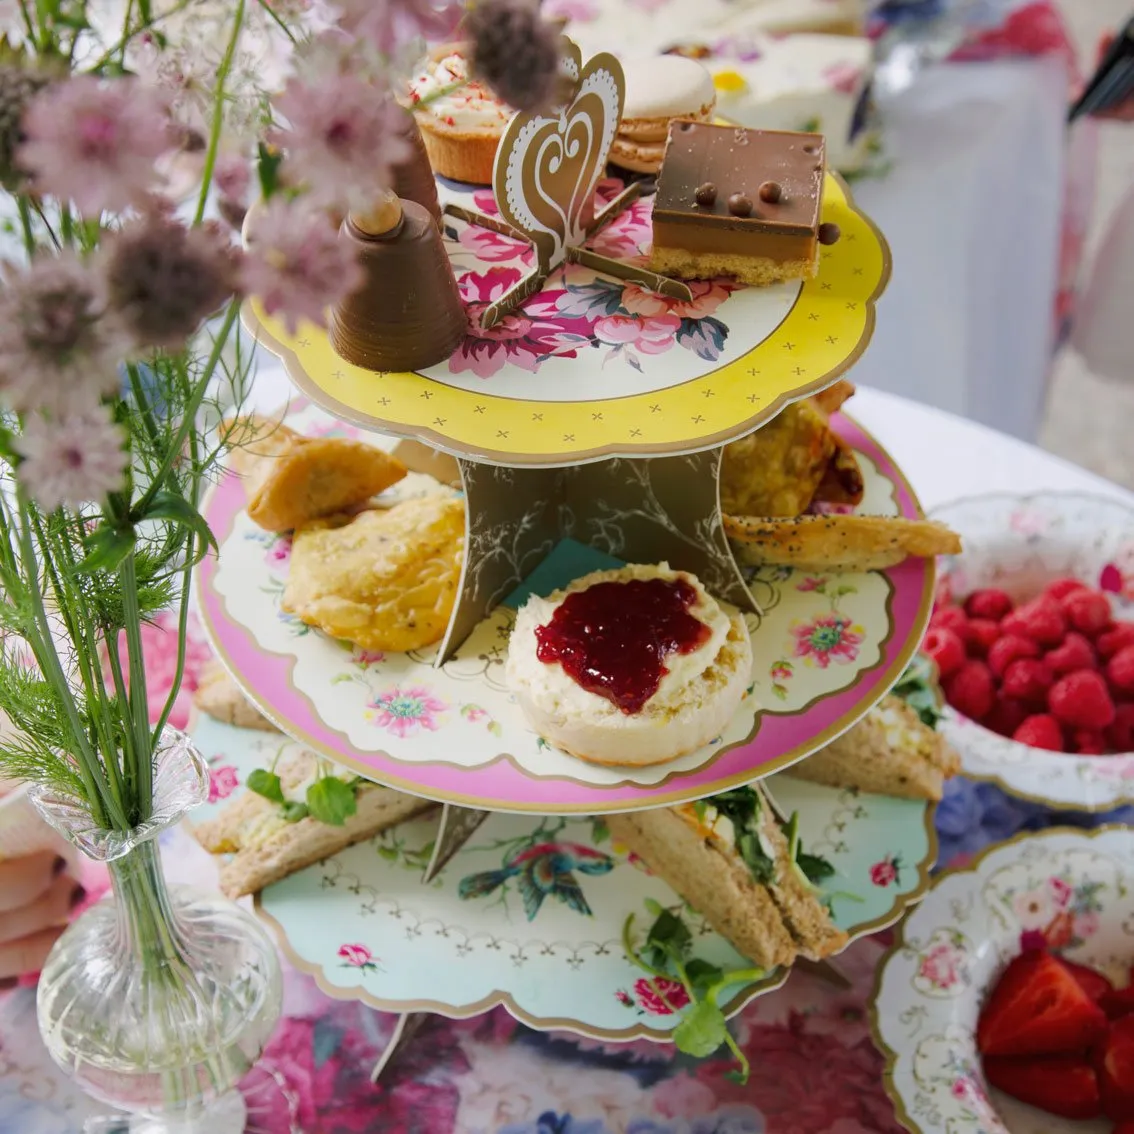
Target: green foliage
<point>666,953</point>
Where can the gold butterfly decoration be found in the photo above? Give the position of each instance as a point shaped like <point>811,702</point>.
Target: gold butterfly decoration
<point>547,168</point>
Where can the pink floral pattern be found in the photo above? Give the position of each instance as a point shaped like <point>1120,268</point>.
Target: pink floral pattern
<point>887,872</point>
<point>575,310</point>
<point>406,712</point>
<point>223,781</point>
<point>359,957</point>
<point>659,996</point>
<point>943,967</point>
<point>831,637</point>
<point>1060,913</point>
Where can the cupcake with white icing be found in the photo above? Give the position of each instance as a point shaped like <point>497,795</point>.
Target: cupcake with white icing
<point>461,121</point>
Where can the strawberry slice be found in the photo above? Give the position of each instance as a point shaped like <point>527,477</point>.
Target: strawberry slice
<point>1059,1084</point>
<point>1038,1008</point>
<point>1124,1128</point>
<point>1092,982</point>
<point>1114,1062</point>
<point>1118,1002</point>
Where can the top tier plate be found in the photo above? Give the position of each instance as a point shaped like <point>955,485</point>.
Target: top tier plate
<point>591,367</point>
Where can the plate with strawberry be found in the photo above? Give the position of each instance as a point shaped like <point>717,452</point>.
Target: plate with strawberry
<point>1033,637</point>
<point>1006,1004</point>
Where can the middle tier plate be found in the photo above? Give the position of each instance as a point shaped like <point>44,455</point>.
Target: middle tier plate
<point>592,367</point>
<point>826,649</point>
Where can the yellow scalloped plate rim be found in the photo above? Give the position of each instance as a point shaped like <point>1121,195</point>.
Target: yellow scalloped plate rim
<point>822,336</point>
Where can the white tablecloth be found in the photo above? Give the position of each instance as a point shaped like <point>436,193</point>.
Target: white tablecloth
<point>972,210</point>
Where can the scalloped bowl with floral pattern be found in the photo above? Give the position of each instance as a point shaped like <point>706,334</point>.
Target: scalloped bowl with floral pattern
<point>1019,544</point>
<point>1070,890</point>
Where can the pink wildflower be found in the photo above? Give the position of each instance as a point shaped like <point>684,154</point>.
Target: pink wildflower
<point>71,460</point>
<point>296,264</point>
<point>345,138</point>
<point>59,347</point>
<point>391,24</point>
<point>95,142</point>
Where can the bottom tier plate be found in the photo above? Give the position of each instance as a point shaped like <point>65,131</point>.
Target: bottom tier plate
<point>484,933</point>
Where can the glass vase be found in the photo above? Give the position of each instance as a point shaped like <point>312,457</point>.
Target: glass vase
<point>159,999</point>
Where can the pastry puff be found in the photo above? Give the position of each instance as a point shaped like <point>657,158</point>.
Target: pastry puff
<point>291,480</point>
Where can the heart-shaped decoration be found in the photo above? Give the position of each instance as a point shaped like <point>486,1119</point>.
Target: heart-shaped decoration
<point>548,165</point>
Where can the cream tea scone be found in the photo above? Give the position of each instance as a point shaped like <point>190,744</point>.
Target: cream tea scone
<point>697,691</point>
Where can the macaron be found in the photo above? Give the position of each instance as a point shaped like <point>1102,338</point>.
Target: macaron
<point>659,90</point>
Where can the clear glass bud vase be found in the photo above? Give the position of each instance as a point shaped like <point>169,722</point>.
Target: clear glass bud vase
<point>158,1000</point>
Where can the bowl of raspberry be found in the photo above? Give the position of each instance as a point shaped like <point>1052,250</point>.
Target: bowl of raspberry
<point>1033,637</point>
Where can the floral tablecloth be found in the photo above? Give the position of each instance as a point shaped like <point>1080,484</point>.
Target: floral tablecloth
<point>815,1069</point>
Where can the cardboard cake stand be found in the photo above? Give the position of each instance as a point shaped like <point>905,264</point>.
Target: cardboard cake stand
<point>559,460</point>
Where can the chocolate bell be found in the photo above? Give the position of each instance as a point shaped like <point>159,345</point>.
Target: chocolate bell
<point>408,314</point>
<point>413,179</point>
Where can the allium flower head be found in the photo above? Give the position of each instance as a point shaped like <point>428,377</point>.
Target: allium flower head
<point>74,459</point>
<point>391,24</point>
<point>95,142</point>
<point>515,52</point>
<point>163,279</point>
<point>18,86</point>
<point>296,264</point>
<point>60,348</point>
<point>345,138</point>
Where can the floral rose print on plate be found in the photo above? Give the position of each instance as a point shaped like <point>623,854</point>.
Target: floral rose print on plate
<point>943,967</point>
<point>888,872</point>
<point>832,637</point>
<point>359,957</point>
<point>223,781</point>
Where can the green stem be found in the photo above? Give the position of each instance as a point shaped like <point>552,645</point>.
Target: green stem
<point>29,26</point>
<point>81,632</point>
<point>278,20</point>
<point>26,225</point>
<point>182,635</point>
<point>130,757</point>
<point>43,646</point>
<point>218,113</point>
<point>139,699</point>
<point>129,33</point>
<point>193,404</point>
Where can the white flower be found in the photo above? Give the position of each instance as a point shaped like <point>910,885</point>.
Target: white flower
<point>77,459</point>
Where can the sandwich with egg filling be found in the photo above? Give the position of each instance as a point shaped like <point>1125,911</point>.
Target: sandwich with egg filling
<point>268,839</point>
<point>894,750</point>
<point>741,868</point>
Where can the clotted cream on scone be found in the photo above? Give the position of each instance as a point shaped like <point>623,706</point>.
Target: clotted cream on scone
<point>635,666</point>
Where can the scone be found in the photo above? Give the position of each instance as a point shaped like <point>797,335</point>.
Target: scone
<point>461,127</point>
<point>634,666</point>
<point>658,90</point>
<point>385,579</point>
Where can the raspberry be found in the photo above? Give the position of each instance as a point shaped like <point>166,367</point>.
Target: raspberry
<point>1061,588</point>
<point>1041,620</point>
<point>980,635</point>
<point>1121,734</point>
<point>1120,671</point>
<point>945,649</point>
<point>1006,716</point>
<point>1081,700</point>
<point>1111,641</point>
<point>989,603</point>
<point>970,690</point>
<point>1028,680</point>
<point>950,618</point>
<point>1087,611</point>
<point>1007,649</point>
<point>1088,743</point>
<point>1075,653</point>
<point>1040,731</point>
